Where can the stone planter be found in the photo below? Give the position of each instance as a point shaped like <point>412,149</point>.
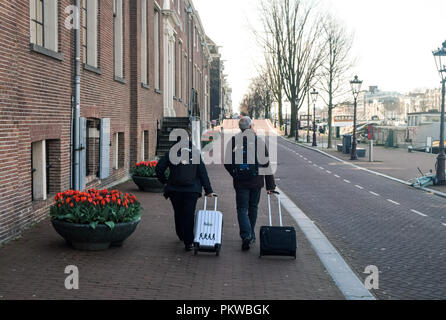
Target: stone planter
<point>83,237</point>
<point>148,184</point>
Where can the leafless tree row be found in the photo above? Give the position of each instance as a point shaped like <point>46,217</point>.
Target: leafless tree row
<point>304,48</point>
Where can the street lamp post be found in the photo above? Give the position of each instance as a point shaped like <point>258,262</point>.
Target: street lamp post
<point>356,88</point>
<point>314,95</point>
<point>440,60</point>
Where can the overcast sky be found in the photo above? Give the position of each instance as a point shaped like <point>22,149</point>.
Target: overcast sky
<point>393,42</point>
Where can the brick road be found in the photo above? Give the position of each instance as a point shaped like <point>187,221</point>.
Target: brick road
<point>153,264</point>
<point>371,221</point>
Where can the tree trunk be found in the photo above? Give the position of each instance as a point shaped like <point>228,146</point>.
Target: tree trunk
<point>330,127</point>
<point>292,133</point>
<point>280,112</point>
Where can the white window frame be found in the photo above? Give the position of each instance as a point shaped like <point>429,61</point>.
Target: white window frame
<point>157,47</point>
<point>90,29</point>
<point>144,43</point>
<point>48,22</point>
<point>118,35</point>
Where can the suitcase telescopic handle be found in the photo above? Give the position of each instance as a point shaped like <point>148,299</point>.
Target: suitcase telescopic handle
<point>269,208</point>
<point>206,202</point>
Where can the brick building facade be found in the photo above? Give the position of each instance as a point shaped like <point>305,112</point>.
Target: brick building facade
<point>142,61</point>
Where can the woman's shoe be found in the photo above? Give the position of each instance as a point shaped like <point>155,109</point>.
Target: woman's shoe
<point>189,247</point>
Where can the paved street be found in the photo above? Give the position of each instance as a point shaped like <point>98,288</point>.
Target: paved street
<point>371,221</point>
<point>153,264</point>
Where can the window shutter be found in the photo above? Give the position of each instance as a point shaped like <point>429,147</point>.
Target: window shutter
<point>83,152</point>
<point>92,31</point>
<point>50,24</point>
<point>104,166</point>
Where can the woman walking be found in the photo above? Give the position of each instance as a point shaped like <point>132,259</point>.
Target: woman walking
<point>184,187</point>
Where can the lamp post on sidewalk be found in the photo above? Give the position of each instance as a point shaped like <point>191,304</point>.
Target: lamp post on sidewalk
<point>356,88</point>
<point>440,60</point>
<point>314,96</point>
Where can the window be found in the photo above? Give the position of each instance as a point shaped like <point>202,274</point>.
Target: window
<point>90,32</point>
<point>156,30</point>
<point>93,147</point>
<point>43,23</point>
<point>145,146</point>
<point>174,68</point>
<point>144,46</point>
<point>180,70</point>
<point>118,38</point>
<point>119,150</point>
<point>185,94</point>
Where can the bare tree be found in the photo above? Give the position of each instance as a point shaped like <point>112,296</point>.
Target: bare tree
<point>273,42</point>
<point>335,68</point>
<point>302,50</point>
<point>257,102</point>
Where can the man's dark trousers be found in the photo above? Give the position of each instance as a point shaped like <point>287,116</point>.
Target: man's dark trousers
<point>247,209</point>
<point>184,205</point>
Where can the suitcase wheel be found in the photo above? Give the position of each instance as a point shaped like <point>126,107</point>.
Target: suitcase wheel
<point>196,247</point>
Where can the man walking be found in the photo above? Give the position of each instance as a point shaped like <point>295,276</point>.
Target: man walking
<point>248,183</point>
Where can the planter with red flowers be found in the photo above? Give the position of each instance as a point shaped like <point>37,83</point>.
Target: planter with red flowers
<point>144,176</point>
<point>95,220</point>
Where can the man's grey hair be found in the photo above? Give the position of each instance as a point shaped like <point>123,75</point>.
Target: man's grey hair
<point>245,123</point>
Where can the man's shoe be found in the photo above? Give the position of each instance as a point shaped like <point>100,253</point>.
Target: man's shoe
<point>189,247</point>
<point>245,244</point>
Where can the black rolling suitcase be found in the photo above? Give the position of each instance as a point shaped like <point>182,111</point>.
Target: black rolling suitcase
<point>277,241</point>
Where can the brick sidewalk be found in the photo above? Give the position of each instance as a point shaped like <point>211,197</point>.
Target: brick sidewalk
<point>153,264</point>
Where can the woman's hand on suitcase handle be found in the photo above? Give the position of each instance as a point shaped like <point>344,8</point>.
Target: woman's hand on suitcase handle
<point>273,192</point>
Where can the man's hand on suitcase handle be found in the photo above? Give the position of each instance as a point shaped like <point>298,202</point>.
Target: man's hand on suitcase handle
<point>212,195</point>
<point>273,192</point>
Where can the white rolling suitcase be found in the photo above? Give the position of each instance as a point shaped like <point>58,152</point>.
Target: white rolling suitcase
<point>208,230</point>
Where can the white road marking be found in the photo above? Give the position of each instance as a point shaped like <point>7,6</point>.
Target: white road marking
<point>444,224</point>
<point>359,187</point>
<point>375,194</point>
<point>394,202</point>
<point>329,172</point>
<point>346,181</point>
<point>337,176</point>
<point>419,213</point>
<point>321,168</point>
